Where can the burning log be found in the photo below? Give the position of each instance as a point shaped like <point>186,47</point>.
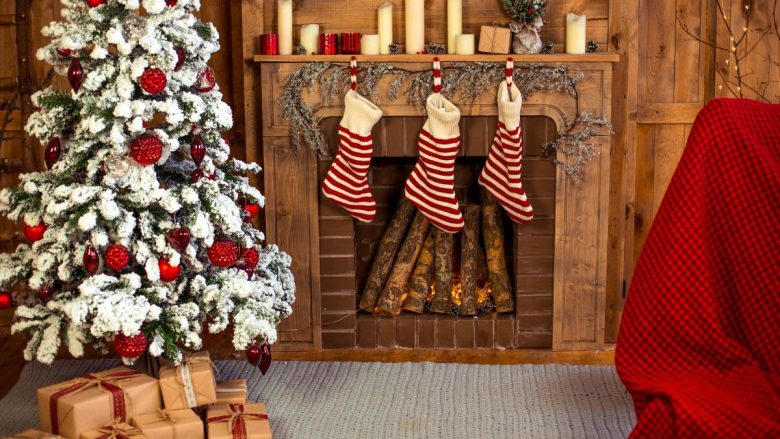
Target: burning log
<point>493,233</point>
<point>469,268</point>
<point>442,299</point>
<point>385,256</point>
<point>420,283</point>
<point>393,294</point>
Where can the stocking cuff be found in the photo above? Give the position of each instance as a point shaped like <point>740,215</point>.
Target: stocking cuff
<point>360,114</point>
<point>510,102</point>
<point>443,117</point>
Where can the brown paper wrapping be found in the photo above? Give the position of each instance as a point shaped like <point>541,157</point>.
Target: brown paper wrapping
<point>91,407</point>
<point>231,392</point>
<point>191,384</point>
<point>34,434</point>
<point>120,430</point>
<point>170,424</point>
<point>495,39</point>
<point>220,428</point>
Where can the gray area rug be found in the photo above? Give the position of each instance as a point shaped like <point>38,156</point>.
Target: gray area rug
<point>401,400</point>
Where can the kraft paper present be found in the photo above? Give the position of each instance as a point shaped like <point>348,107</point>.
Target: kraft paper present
<point>95,400</point>
<point>495,39</point>
<point>231,392</point>
<point>190,384</point>
<point>120,430</point>
<point>170,424</point>
<point>238,421</point>
<point>34,434</point>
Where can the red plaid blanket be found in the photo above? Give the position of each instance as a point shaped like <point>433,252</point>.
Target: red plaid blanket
<point>699,343</point>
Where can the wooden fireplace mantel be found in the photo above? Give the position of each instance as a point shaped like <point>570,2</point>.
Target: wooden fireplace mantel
<point>581,209</point>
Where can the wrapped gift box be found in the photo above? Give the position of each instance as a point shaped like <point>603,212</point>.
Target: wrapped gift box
<point>35,434</point>
<point>495,39</point>
<point>249,421</point>
<point>190,384</point>
<point>231,392</point>
<point>170,424</point>
<point>121,430</point>
<point>98,399</point>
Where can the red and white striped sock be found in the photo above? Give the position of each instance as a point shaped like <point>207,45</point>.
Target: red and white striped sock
<point>502,174</point>
<point>431,185</point>
<point>346,183</point>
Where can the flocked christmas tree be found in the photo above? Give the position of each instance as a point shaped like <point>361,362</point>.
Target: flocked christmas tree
<point>141,230</point>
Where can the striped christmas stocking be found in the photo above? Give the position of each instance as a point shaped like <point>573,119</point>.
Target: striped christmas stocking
<point>346,183</point>
<point>431,185</point>
<point>502,173</point>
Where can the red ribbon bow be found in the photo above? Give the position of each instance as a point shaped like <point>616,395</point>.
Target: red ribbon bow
<point>236,420</point>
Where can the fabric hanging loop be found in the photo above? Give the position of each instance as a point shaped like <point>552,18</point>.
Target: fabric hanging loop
<point>436,75</point>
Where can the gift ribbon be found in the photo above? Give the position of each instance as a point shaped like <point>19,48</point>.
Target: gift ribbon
<point>118,431</point>
<point>236,420</point>
<point>106,383</point>
<point>164,415</point>
<point>494,40</point>
<point>185,378</point>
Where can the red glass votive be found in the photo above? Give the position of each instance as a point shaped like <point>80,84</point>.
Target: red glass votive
<point>328,44</point>
<point>350,43</point>
<point>269,44</point>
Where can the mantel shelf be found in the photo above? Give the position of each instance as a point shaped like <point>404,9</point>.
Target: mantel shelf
<point>598,57</point>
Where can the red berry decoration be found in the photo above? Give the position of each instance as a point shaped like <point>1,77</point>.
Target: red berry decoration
<point>95,3</point>
<point>179,238</point>
<point>207,80</point>
<point>52,152</point>
<point>182,56</point>
<point>45,294</point>
<point>153,81</point>
<point>75,75</point>
<point>34,233</point>
<point>253,355</point>
<point>130,348</point>
<point>6,301</point>
<point>117,257</point>
<point>168,273</point>
<point>251,257</point>
<point>91,260</point>
<point>223,253</point>
<point>198,150</point>
<point>265,359</point>
<point>146,150</point>
<point>64,52</point>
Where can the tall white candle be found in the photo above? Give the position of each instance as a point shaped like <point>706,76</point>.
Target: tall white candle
<point>575,33</point>
<point>385,25</point>
<point>310,38</point>
<point>284,9</point>
<point>369,44</point>
<point>454,23</point>
<point>415,26</point>
<point>464,44</point>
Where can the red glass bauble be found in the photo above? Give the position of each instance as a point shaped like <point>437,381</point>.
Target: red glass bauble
<point>130,347</point>
<point>153,81</point>
<point>6,301</point>
<point>265,358</point>
<point>227,142</point>
<point>75,75</point>
<point>252,208</point>
<point>253,355</point>
<point>250,272</point>
<point>181,55</point>
<point>223,253</point>
<point>146,150</point>
<point>117,257</point>
<point>171,3</point>
<point>251,257</point>
<point>34,233</point>
<point>179,238</point>
<point>45,294</point>
<point>52,152</point>
<point>168,273</point>
<point>91,260</point>
<point>64,52</point>
<point>207,80</point>
<point>95,3</point>
<point>198,150</point>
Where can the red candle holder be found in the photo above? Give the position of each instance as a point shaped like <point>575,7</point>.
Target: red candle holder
<point>269,44</point>
<point>328,44</point>
<point>350,43</point>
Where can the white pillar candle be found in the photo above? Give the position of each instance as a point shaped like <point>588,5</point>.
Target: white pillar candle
<point>369,44</point>
<point>415,26</point>
<point>385,24</point>
<point>310,38</point>
<point>464,44</point>
<point>454,23</point>
<point>285,21</point>
<point>575,33</point>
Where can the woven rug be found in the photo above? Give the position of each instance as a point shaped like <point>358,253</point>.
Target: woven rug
<point>401,400</point>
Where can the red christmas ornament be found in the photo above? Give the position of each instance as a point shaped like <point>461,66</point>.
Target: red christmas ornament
<point>153,81</point>
<point>146,150</point>
<point>207,80</point>
<point>34,233</point>
<point>179,238</point>
<point>64,52</point>
<point>227,142</point>
<point>117,257</point>
<point>45,294</point>
<point>75,75</point>
<point>250,273</point>
<point>182,56</point>
<point>168,273</point>
<point>130,348</point>
<point>6,301</point>
<point>198,174</point>
<point>265,359</point>
<point>91,260</point>
<point>223,253</point>
<point>253,355</point>
<point>251,257</point>
<point>198,150</point>
<point>52,152</point>
<point>171,3</point>
<point>252,209</point>
<point>95,3</point>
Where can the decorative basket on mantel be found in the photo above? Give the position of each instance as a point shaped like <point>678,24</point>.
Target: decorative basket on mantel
<point>526,25</point>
